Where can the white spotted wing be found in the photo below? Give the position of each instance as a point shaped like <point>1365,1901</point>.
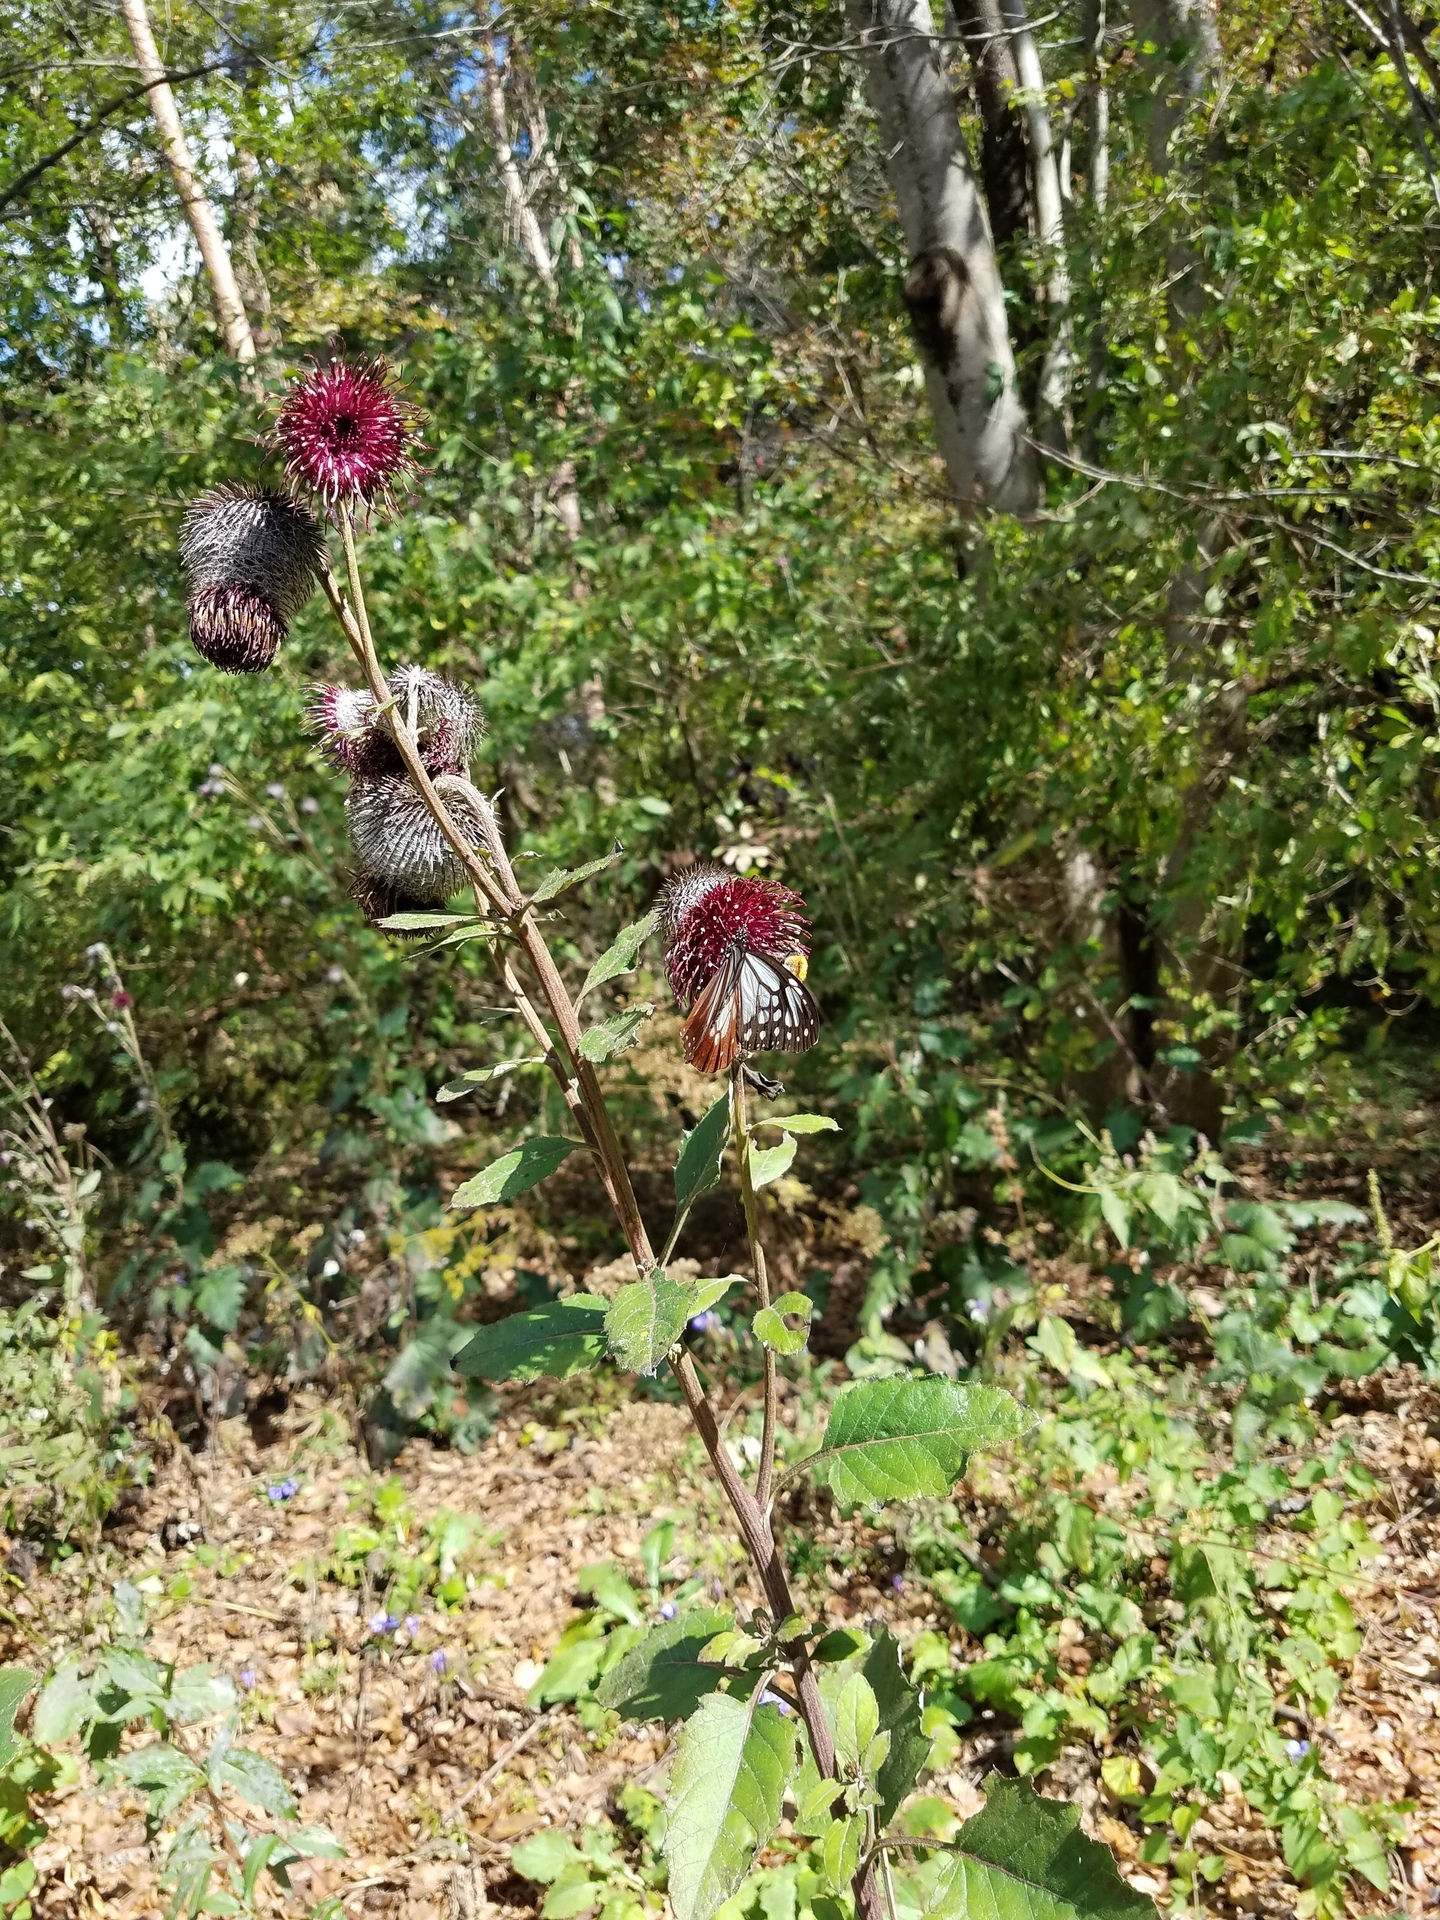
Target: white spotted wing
<point>751,1004</point>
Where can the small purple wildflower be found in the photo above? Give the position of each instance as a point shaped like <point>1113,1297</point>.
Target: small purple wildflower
<point>412,1624</point>
<point>976,1311</point>
<point>382,1623</point>
<point>706,1322</point>
<point>1296,1749</point>
<point>282,1490</point>
<point>897,1583</point>
<point>247,1678</point>
<point>769,1699</point>
<point>438,1662</point>
<point>667,1610</point>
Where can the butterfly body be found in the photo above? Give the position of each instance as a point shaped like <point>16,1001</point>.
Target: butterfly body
<point>752,1003</point>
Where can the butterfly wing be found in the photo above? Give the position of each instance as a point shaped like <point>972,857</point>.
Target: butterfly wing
<point>712,1031</point>
<point>778,1013</point>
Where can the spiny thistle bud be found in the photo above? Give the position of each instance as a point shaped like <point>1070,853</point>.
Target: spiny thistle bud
<point>377,901</point>
<point>736,955</point>
<point>445,722</point>
<point>253,557</point>
<point>347,432</point>
<point>397,840</point>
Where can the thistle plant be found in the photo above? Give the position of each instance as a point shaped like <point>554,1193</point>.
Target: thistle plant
<point>773,1706</point>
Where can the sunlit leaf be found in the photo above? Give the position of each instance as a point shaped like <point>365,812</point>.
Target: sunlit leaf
<point>734,1762</point>
<point>901,1439</point>
<point>554,1340</point>
<point>515,1172</point>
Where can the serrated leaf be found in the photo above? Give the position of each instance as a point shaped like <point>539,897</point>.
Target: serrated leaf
<point>544,1856</point>
<point>420,922</point>
<point>561,879</point>
<point>622,955</point>
<point>1117,1215</point>
<point>197,1693</point>
<point>798,1122</point>
<point>664,1678</point>
<point>840,1850</point>
<point>770,1328</point>
<point>255,1779</point>
<point>701,1154</point>
<point>164,1772</point>
<point>1023,1857</point>
<point>901,1439</point>
<point>515,1172</point>
<point>550,1342</point>
<point>767,1164</point>
<point>704,1293</point>
<point>64,1706</point>
<point>857,1719</point>
<point>15,1683</point>
<point>901,1720</point>
<point>645,1320</point>
<point>477,1076</point>
<point>735,1760</point>
<point>609,1037</point>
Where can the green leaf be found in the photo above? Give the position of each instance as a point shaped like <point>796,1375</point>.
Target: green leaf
<point>901,1718</point>
<point>612,1036</point>
<point>515,1172</point>
<point>901,1439</point>
<point>771,1330</point>
<point>553,1341</point>
<point>63,1707</point>
<point>477,1076</point>
<point>840,1850</point>
<point>544,1856</point>
<point>664,1678</point>
<point>768,1163</point>
<point>645,1320</point>
<point>1023,1857</point>
<point>164,1772</point>
<point>561,879</point>
<point>220,1296</point>
<point>798,1122</point>
<point>15,1683</point>
<point>607,1584</point>
<point>255,1779</point>
<point>735,1760</point>
<point>698,1168</point>
<point>420,922</point>
<point>188,1867</point>
<point>1117,1215</point>
<point>197,1693</point>
<point>314,1843</point>
<point>257,1856</point>
<point>857,1719</point>
<point>621,957</point>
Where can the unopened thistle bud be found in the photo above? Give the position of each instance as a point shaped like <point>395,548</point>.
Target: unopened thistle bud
<point>253,557</point>
<point>347,432</point>
<point>397,840</point>
<point>736,955</point>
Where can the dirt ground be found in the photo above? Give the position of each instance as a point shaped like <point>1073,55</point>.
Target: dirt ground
<point>429,1778</point>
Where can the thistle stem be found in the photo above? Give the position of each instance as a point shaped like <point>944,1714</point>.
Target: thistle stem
<point>762,1281</point>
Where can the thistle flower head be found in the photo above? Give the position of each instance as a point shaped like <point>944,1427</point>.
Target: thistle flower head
<point>347,432</point>
<point>706,909</point>
<point>445,721</point>
<point>235,629</point>
<point>253,556</point>
<point>397,841</point>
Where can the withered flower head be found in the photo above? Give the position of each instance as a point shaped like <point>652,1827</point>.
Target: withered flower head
<point>347,432</point>
<point>253,556</point>
<point>446,724</point>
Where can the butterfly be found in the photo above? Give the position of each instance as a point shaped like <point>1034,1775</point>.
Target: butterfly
<point>750,1004</point>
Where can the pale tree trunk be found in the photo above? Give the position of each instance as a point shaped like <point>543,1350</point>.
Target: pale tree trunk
<point>234,322</point>
<point>525,223</point>
<point>1099,167</point>
<point>1054,396</point>
<point>245,226</point>
<point>1004,164</point>
<point>518,210</point>
<point>953,287</point>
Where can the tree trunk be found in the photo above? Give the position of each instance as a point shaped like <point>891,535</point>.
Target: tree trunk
<point>1054,394</point>
<point>1004,164</point>
<point>234,322</point>
<point>518,209</point>
<point>953,287</point>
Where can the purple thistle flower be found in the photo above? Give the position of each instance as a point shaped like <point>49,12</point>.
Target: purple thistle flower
<point>347,432</point>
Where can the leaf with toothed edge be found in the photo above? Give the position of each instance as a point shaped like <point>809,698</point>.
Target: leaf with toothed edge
<point>563,878</point>
<point>609,1037</point>
<point>622,955</point>
<point>701,1155</point>
<point>477,1076</point>
<point>904,1439</point>
<point>551,1342</point>
<point>515,1172</point>
<point>735,1760</point>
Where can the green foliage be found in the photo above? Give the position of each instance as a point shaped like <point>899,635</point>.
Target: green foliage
<point>403,1563</point>
<point>665,1676</point>
<point>514,1172</point>
<point>901,1439</point>
<point>734,1762</point>
<point>560,1338</point>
